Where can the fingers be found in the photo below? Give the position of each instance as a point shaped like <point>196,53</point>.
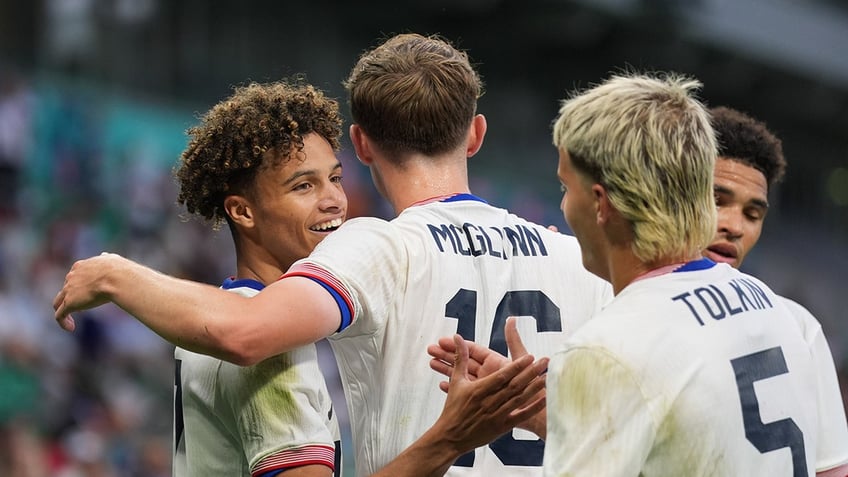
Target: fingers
<point>67,323</point>
<point>515,374</point>
<point>444,354</point>
<point>441,367</point>
<point>441,351</point>
<point>513,339</point>
<point>61,315</point>
<point>460,365</point>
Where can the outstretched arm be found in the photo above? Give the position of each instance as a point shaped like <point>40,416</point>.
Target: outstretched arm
<point>198,317</point>
<point>476,412</point>
<point>483,362</point>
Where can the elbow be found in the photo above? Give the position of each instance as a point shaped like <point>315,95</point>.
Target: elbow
<point>231,347</point>
<point>241,357</point>
<point>239,352</point>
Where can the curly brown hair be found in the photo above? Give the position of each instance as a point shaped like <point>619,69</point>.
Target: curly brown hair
<point>746,140</point>
<point>258,126</point>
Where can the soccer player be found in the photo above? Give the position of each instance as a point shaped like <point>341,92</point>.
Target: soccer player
<point>694,368</point>
<point>750,162</point>
<point>382,290</point>
<point>263,162</point>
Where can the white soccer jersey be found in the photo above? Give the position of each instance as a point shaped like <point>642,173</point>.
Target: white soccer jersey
<point>440,268</point>
<point>832,448</point>
<point>699,372</point>
<point>240,421</point>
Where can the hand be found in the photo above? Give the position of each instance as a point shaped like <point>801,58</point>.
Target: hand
<point>484,362</point>
<point>82,288</point>
<point>477,411</point>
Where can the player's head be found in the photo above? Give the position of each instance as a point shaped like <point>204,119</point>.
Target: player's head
<point>647,144</point>
<point>263,160</point>
<point>750,161</point>
<point>414,94</point>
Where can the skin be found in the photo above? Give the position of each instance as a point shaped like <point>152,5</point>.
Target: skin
<point>741,193</point>
<point>289,211</point>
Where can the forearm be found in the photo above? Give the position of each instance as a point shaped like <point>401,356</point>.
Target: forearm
<point>190,315</point>
<point>430,456</point>
<point>289,313</point>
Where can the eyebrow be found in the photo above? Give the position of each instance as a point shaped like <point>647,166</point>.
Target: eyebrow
<point>757,202</point>
<point>309,172</point>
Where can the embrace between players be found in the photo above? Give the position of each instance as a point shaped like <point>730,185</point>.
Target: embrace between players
<point>634,386</point>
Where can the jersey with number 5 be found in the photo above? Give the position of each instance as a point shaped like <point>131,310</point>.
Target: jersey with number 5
<point>699,372</point>
<point>440,268</point>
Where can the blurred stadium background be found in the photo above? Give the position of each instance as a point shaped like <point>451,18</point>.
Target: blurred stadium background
<point>95,97</point>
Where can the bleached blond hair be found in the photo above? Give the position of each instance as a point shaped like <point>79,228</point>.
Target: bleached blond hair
<point>648,140</point>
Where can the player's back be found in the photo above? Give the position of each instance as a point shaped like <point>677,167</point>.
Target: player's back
<point>704,372</point>
<point>461,266</point>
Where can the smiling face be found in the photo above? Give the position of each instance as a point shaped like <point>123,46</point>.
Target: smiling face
<point>741,198</point>
<point>295,203</point>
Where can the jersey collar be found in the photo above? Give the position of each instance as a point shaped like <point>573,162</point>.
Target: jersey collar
<point>232,282</point>
<point>456,197</point>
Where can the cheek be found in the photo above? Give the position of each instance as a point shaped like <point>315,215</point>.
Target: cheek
<point>753,234</point>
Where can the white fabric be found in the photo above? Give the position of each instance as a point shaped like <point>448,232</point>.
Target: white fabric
<point>832,448</point>
<point>648,388</point>
<point>240,420</point>
<point>434,269</point>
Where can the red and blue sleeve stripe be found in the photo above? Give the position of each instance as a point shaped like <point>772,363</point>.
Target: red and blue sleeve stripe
<point>274,464</point>
<point>331,284</point>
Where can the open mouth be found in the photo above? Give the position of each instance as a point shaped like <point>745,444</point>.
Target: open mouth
<point>328,226</point>
<point>722,253</point>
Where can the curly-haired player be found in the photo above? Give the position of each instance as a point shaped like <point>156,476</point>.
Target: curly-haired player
<point>263,161</point>
<point>750,162</point>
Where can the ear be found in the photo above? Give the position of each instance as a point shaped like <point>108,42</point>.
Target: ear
<point>603,208</point>
<point>476,133</point>
<point>240,210</point>
<point>361,145</point>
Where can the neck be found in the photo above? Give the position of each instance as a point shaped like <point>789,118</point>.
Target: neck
<point>423,178</point>
<point>258,266</point>
<point>627,268</point>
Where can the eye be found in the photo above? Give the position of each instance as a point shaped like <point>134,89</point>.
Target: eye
<point>563,188</point>
<point>302,186</point>
<point>755,214</point>
<point>336,179</point>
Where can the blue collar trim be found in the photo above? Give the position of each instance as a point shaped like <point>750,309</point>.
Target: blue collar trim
<point>230,283</point>
<point>701,264</point>
<point>459,197</point>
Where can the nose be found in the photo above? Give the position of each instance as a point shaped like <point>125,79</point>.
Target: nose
<point>730,222</point>
<point>334,198</point>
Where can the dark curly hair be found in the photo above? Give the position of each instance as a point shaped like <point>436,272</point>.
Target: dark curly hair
<point>744,139</point>
<point>258,126</point>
